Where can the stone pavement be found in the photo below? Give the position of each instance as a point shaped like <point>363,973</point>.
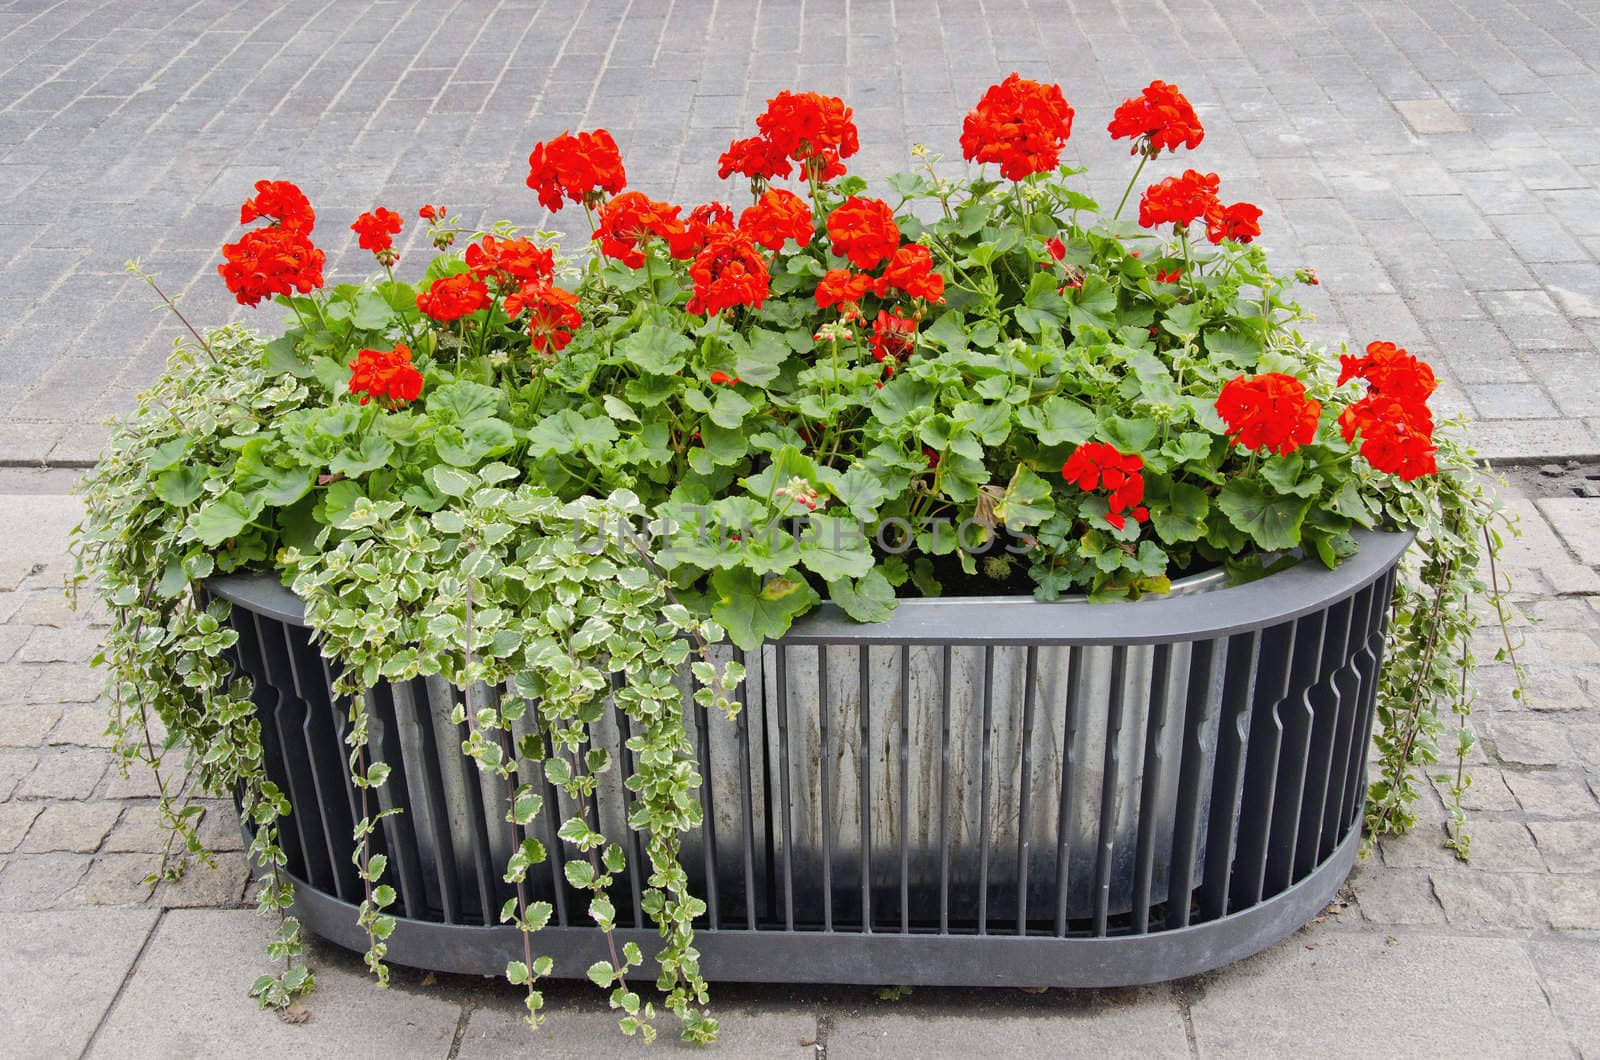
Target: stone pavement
<point>1436,162</point>
<point>1427,955</point>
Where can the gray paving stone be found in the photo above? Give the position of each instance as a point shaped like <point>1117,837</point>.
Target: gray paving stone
<point>1151,1024</point>
<point>41,881</point>
<point>1568,846</point>
<point>1395,896</point>
<point>1577,521</point>
<point>202,961</point>
<point>1417,994</point>
<point>1569,969</point>
<point>1575,902</point>
<point>67,773</point>
<point>1474,899</point>
<point>575,1030</point>
<point>77,827</point>
<point>15,819</point>
<point>1553,794</point>
<point>61,972</point>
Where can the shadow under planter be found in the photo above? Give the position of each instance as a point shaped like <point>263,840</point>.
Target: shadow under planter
<point>978,791</point>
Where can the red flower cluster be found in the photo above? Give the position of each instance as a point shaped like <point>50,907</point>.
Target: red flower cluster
<point>894,337</point>
<point>1098,465</point>
<point>911,270</point>
<point>1178,200</point>
<point>1391,371</point>
<point>375,231</point>
<point>1240,222</point>
<point>1160,118</point>
<point>580,167</point>
<point>453,297</point>
<point>511,263</point>
<point>631,219</point>
<point>705,219</point>
<point>387,375</point>
<point>1393,419</point>
<point>721,378</point>
<point>431,213</point>
<point>730,271</point>
<point>864,231</point>
<point>1269,411</point>
<point>282,203</point>
<point>842,287</point>
<point>778,216</point>
<point>806,127</point>
<point>552,314</point>
<point>1020,124</point>
<point>278,259</point>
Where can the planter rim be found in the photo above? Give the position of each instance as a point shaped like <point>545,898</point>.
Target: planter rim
<point>1001,620</point>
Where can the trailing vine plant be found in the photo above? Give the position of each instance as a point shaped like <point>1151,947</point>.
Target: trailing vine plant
<point>456,477</point>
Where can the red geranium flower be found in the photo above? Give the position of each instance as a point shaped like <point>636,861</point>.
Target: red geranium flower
<point>778,216</point>
<point>581,167</point>
<point>511,262</point>
<point>911,270</point>
<point>1055,248</point>
<point>1020,124</point>
<point>1172,275</point>
<point>375,231</point>
<point>1269,411</point>
<point>430,212</point>
<point>705,219</point>
<point>1240,222</point>
<point>730,271</point>
<point>552,314</point>
<point>1178,200</point>
<point>1098,465</point>
<point>755,157</point>
<point>841,286</point>
<point>632,218</point>
<point>387,375</point>
<point>1390,371</point>
<point>894,337</point>
<point>453,297</point>
<point>1160,117</point>
<point>282,203</point>
<point>721,378</point>
<point>1396,437</point>
<point>864,231</point>
<point>267,262</point>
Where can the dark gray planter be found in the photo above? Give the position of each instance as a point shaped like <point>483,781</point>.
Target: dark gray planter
<point>977,791</point>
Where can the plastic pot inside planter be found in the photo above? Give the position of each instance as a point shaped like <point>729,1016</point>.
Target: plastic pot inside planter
<point>976,791</point>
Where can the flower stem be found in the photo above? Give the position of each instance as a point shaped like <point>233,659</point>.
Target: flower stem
<point>1143,158</point>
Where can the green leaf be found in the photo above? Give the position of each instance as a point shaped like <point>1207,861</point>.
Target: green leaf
<point>1272,522</point>
<point>373,452</point>
<point>867,599</point>
<point>752,612</point>
<point>516,973</point>
<point>224,517</point>
<point>758,357</point>
<point>1059,421</point>
<point>462,402</point>
<point>579,873</point>
<point>372,313</point>
<point>656,350</point>
<point>1026,501</point>
<point>449,481</point>
<point>834,547</point>
<point>180,486</point>
<point>1178,510</point>
<point>601,973</point>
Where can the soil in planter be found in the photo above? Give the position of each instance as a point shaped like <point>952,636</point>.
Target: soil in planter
<point>1014,579</point>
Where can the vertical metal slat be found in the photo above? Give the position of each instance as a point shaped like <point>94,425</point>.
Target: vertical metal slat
<point>1154,758</point>
<point>1105,839</point>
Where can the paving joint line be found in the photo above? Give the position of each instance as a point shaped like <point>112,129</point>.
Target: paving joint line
<point>122,987</point>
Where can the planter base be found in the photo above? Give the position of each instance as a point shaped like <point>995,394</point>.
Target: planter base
<point>868,959</point>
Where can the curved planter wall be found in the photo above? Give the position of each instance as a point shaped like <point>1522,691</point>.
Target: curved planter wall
<point>977,791</point>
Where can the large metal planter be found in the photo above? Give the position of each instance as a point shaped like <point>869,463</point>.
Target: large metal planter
<point>977,791</point>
